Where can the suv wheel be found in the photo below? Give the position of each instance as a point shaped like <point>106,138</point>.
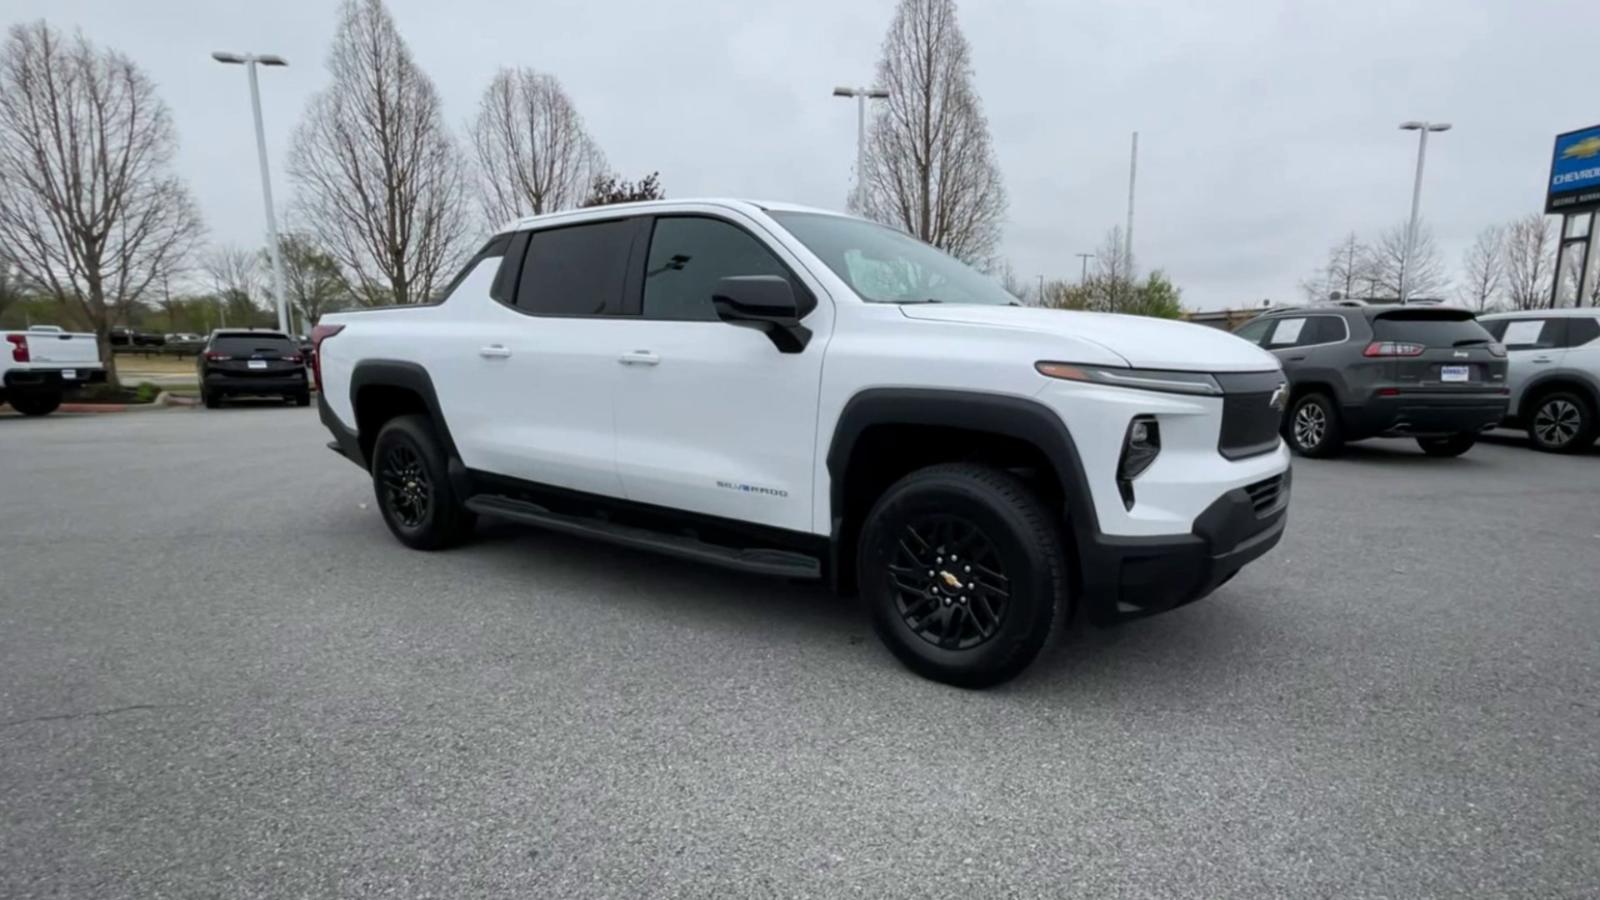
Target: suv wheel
<point>1453,445</point>
<point>35,403</point>
<point>964,573</point>
<point>1561,423</point>
<point>213,400</point>
<point>1313,426</point>
<point>413,490</point>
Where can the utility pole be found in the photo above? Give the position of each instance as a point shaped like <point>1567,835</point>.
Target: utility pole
<point>862,95</point>
<point>250,61</point>
<point>1422,129</point>
<point>1083,277</point>
<point>1127,239</point>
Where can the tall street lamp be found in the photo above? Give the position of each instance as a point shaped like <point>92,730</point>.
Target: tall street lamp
<point>250,61</point>
<point>862,95</point>
<point>1422,129</point>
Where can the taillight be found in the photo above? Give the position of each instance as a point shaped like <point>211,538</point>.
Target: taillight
<point>1497,350</point>
<point>294,358</point>
<point>214,356</point>
<point>19,347</point>
<point>1393,348</point>
<point>320,333</point>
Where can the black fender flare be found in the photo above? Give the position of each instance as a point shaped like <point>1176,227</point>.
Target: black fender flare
<point>405,375</point>
<point>1016,417</point>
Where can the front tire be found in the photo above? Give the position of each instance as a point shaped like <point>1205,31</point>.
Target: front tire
<point>35,403</point>
<point>1561,422</point>
<point>411,480</point>
<point>964,573</point>
<point>1313,428</point>
<point>1453,445</point>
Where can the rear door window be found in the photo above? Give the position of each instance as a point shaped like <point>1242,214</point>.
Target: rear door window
<point>1530,334</point>
<point>578,270</point>
<point>1287,332</point>
<point>1582,330</point>
<point>1429,329</point>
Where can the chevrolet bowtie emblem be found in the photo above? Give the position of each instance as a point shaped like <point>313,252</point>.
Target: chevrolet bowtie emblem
<point>951,581</point>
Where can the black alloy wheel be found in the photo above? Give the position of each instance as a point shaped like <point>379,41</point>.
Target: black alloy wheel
<point>950,583</point>
<point>407,491</point>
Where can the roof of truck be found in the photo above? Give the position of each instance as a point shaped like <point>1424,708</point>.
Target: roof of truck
<point>645,206</point>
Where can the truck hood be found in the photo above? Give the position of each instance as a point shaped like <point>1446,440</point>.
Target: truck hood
<point>1144,342</point>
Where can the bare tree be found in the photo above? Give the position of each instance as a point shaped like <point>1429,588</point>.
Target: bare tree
<point>90,210</point>
<point>1483,270</point>
<point>930,168</point>
<point>1345,269</point>
<point>1425,273</point>
<point>235,277</point>
<point>310,278</point>
<point>608,188</point>
<point>379,181</point>
<point>534,155</point>
<point>1529,261</point>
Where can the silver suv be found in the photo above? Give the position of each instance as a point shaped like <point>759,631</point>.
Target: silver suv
<point>1554,374</point>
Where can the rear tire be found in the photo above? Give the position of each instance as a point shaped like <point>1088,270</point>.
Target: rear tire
<point>213,400</point>
<point>998,586</point>
<point>1312,427</point>
<point>1454,445</point>
<point>410,478</point>
<point>35,403</point>
<point>1561,422</point>
<point>302,399</point>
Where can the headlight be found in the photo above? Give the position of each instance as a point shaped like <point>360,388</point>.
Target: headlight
<point>1143,379</point>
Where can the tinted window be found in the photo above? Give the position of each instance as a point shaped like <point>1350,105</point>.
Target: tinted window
<point>247,344</point>
<point>1531,334</point>
<point>687,258</point>
<point>1429,329</point>
<point>1324,330</point>
<point>1496,328</point>
<point>1254,331</point>
<point>1581,331</point>
<point>575,271</point>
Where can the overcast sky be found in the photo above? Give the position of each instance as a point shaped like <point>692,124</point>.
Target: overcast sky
<point>1264,135</point>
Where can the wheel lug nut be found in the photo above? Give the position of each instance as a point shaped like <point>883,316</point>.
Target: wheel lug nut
<point>947,601</point>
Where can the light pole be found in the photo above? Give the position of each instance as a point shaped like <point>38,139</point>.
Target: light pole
<point>1422,129</point>
<point>250,61</point>
<point>862,95</point>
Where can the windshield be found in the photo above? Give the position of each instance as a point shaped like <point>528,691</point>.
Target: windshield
<point>246,345</point>
<point>885,266</point>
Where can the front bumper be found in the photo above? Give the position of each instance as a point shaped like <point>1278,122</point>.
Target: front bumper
<point>1132,577</point>
<point>1423,415</point>
<point>51,379</point>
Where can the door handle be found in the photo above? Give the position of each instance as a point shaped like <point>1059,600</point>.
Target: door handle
<point>639,358</point>
<point>494,351</point>
<point>1295,358</point>
<point>1542,359</point>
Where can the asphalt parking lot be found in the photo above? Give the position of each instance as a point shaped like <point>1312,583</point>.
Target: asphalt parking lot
<point>220,676</point>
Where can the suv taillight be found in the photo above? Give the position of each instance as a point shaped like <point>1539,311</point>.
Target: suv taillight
<point>320,333</point>
<point>214,356</point>
<point>294,358</point>
<point>1393,348</point>
<point>19,347</point>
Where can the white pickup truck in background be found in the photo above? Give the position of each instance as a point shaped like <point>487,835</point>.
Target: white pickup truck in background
<point>41,366</point>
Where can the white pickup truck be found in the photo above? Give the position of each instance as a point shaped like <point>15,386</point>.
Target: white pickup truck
<point>797,393</point>
<point>43,365</point>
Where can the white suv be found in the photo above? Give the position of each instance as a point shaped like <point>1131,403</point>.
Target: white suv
<point>798,393</point>
<point>1554,374</point>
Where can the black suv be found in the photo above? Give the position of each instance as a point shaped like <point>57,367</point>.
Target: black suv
<point>252,363</point>
<point>1428,372</point>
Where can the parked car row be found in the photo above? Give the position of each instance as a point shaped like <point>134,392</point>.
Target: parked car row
<point>1437,374</point>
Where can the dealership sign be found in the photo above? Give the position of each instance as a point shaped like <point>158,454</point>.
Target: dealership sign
<point>1575,172</point>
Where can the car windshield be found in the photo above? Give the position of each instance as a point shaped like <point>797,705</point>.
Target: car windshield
<point>886,266</point>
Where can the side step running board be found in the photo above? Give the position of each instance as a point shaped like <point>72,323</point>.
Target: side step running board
<point>782,563</point>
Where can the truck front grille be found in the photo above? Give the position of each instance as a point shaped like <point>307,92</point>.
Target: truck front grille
<point>1250,420</point>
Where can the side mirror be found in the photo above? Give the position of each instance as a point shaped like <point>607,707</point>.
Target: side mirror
<point>766,303</point>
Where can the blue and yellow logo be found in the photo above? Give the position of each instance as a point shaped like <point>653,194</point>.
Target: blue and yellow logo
<point>1584,149</point>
